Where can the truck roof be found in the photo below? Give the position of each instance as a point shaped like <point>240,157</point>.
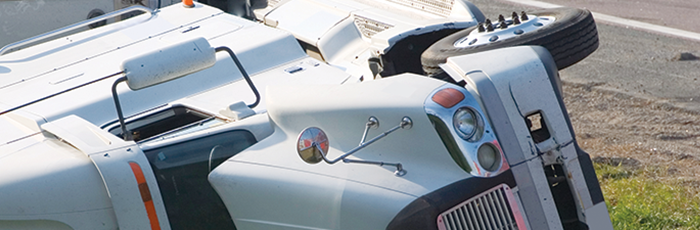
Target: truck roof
<point>73,75</point>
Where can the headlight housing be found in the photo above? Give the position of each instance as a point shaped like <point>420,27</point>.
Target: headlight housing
<point>468,124</point>
<point>489,157</point>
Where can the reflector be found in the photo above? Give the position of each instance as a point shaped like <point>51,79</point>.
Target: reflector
<point>448,97</point>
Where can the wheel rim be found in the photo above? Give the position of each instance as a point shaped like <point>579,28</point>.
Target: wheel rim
<point>503,29</point>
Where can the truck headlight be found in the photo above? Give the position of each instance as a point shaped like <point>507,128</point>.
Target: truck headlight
<point>489,157</point>
<point>467,123</point>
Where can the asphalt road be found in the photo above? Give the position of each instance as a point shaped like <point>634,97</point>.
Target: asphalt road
<point>632,60</point>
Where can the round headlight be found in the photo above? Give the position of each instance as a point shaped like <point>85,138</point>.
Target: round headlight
<point>466,122</point>
<point>489,157</point>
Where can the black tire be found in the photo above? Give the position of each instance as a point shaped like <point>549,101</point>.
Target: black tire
<point>570,38</point>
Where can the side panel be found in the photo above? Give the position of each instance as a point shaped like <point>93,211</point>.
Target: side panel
<point>267,197</point>
<point>125,172</point>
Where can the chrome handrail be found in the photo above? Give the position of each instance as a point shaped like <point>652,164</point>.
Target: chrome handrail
<point>76,26</point>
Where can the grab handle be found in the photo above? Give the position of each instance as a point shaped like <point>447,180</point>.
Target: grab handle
<point>75,26</point>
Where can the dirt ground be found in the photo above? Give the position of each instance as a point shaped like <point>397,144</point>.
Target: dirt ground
<point>634,132</point>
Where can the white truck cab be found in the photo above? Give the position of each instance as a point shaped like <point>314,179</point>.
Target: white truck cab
<point>369,38</point>
<point>192,118</point>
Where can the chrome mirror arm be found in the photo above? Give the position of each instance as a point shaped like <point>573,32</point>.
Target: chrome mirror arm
<point>125,132</point>
<point>399,168</point>
<point>406,123</point>
<point>372,122</point>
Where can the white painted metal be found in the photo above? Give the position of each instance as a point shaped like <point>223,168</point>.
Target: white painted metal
<point>335,195</point>
<point>525,87</point>
<point>58,167</point>
<point>348,33</point>
<point>111,157</point>
<point>59,161</point>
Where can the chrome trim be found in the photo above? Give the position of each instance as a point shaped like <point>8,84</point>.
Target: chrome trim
<point>492,209</point>
<point>469,148</point>
<point>372,122</point>
<point>76,26</point>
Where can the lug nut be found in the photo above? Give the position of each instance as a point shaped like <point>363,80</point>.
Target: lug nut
<point>480,27</point>
<point>515,18</point>
<point>523,16</point>
<point>501,18</point>
<point>489,25</point>
<point>503,25</point>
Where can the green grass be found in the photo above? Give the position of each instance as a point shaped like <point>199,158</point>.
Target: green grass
<point>648,199</point>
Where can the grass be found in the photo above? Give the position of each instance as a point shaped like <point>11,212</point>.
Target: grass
<point>648,198</point>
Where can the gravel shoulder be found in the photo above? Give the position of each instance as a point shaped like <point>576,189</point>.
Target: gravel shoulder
<point>632,102</point>
<point>634,132</point>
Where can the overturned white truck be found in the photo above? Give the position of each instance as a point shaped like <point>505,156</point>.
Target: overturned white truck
<point>191,118</point>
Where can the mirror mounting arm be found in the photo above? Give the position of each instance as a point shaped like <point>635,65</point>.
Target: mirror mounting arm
<point>243,72</point>
<point>406,123</point>
<point>125,133</point>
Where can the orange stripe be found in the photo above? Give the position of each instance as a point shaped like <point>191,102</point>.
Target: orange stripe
<point>140,179</point>
<point>145,195</point>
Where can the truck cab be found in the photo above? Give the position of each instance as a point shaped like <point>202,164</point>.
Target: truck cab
<point>189,117</point>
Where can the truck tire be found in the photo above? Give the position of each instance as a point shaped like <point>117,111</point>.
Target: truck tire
<point>569,34</point>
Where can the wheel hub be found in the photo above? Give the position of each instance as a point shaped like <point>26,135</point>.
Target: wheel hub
<point>503,29</point>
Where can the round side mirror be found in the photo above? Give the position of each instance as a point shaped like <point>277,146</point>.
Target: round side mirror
<point>312,145</point>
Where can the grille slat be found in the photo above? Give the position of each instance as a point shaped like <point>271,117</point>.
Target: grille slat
<point>462,220</point>
<point>480,211</point>
<point>503,210</point>
<point>498,215</point>
<point>489,213</point>
<point>452,222</point>
<point>469,219</point>
<point>490,210</point>
<point>369,27</point>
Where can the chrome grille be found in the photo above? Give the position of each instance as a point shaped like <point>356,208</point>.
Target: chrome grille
<point>494,209</point>
<point>439,7</point>
<point>369,27</point>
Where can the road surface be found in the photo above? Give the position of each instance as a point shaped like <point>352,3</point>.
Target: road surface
<point>631,60</point>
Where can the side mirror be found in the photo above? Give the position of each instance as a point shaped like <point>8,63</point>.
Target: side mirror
<point>168,64</point>
<point>312,145</point>
<point>161,66</point>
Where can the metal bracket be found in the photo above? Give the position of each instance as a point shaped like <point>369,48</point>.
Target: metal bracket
<point>372,122</point>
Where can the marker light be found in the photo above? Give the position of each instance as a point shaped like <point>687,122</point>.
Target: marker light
<point>448,97</point>
<point>188,3</point>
